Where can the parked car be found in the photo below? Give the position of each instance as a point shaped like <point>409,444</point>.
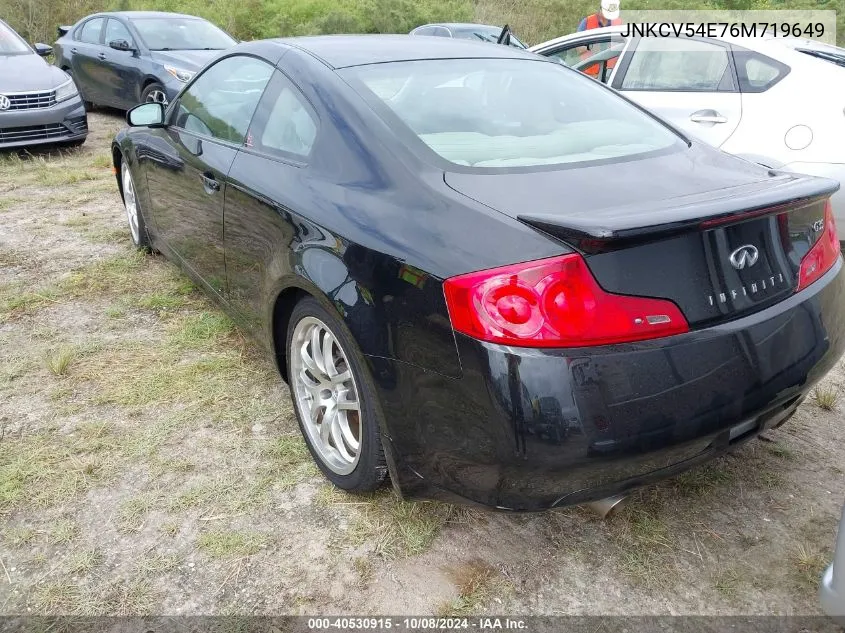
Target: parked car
<point>832,592</point>
<point>475,32</point>
<point>125,58</point>
<point>38,103</point>
<point>431,236</point>
<point>762,99</point>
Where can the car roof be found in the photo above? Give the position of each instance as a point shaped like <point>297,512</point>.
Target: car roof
<point>342,51</point>
<point>462,25</point>
<point>144,14</point>
<point>775,47</point>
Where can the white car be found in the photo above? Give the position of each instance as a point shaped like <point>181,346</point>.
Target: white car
<point>832,592</point>
<point>778,102</point>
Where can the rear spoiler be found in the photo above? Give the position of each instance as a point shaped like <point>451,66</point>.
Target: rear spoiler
<point>64,30</point>
<point>611,229</point>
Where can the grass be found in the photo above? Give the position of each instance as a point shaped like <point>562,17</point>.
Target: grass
<point>58,361</point>
<point>728,582</point>
<point>782,451</point>
<point>46,468</point>
<point>64,531</point>
<point>132,512</point>
<point>394,528</point>
<point>808,564</point>
<point>18,536</point>
<point>83,561</point>
<point>159,563</point>
<point>826,397</point>
<point>223,543</point>
<point>703,479</point>
<point>477,583</point>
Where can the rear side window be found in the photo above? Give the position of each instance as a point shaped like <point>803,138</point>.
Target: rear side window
<point>284,125</point>
<point>680,64</point>
<point>90,31</point>
<point>756,72</point>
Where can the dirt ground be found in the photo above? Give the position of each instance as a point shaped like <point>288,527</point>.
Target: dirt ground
<point>150,463</point>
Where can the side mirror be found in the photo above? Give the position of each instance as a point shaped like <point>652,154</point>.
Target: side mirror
<point>146,115</point>
<point>120,45</point>
<point>43,49</point>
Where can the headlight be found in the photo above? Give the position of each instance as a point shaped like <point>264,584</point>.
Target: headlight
<point>180,74</point>
<point>66,91</point>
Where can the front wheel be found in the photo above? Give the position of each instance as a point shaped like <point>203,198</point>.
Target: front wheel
<point>137,228</point>
<point>334,399</point>
<point>154,93</point>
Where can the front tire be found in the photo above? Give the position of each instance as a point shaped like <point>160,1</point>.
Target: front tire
<point>137,228</point>
<point>154,93</point>
<point>334,399</point>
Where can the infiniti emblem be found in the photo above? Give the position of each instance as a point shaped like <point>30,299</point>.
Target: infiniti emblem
<point>5,104</point>
<point>744,256</point>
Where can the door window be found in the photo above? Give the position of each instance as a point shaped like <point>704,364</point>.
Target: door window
<point>91,31</point>
<point>116,30</point>
<point>682,64</point>
<point>286,125</point>
<point>596,58</point>
<point>221,102</point>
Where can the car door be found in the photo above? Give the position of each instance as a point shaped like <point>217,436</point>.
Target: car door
<point>690,82</point>
<point>596,56</point>
<point>259,223</point>
<point>85,66</point>
<point>188,172</point>
<point>121,68</point>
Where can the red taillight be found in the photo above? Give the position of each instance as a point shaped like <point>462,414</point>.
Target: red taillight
<point>823,254</point>
<point>553,302</point>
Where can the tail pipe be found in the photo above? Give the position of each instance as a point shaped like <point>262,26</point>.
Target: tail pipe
<point>607,507</point>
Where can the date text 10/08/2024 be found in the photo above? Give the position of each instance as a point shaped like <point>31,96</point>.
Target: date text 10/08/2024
<point>416,624</point>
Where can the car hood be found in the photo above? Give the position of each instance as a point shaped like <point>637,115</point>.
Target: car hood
<point>187,60</point>
<point>25,73</point>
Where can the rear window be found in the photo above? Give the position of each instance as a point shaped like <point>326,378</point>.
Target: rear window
<point>504,113</point>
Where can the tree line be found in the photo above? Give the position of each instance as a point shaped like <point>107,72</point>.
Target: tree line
<point>533,21</point>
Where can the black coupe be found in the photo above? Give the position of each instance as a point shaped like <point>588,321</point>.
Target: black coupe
<point>483,273</point>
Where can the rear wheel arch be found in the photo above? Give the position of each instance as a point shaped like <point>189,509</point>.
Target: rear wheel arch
<point>283,307</point>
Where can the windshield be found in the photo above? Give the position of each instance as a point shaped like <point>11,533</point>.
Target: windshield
<point>181,34</point>
<point>494,113</point>
<point>11,43</point>
<point>485,34</point>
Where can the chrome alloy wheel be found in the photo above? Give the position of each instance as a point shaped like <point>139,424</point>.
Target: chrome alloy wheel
<point>157,96</point>
<point>130,202</point>
<point>326,395</point>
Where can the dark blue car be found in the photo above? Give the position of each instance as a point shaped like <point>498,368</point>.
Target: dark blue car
<point>124,58</point>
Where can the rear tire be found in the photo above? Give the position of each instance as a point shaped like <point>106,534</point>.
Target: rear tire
<point>334,399</point>
<point>137,228</point>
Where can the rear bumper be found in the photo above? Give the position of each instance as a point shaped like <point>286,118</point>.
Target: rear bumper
<point>63,123</point>
<point>832,591</point>
<point>834,171</point>
<point>528,429</point>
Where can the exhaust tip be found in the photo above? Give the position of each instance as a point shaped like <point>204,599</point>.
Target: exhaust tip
<point>606,508</point>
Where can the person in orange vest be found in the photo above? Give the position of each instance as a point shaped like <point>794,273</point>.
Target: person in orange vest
<point>608,16</point>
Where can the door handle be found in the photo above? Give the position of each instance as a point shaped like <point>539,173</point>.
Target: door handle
<point>209,182</point>
<point>74,50</point>
<point>101,56</point>
<point>707,116</point>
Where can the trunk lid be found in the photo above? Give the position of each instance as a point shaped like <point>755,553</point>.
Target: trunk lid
<point>721,238</point>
